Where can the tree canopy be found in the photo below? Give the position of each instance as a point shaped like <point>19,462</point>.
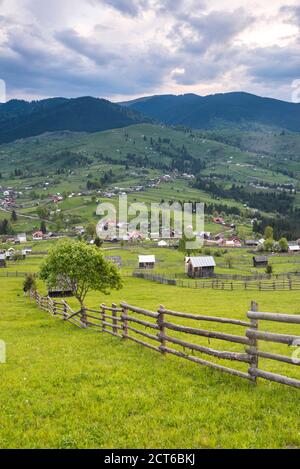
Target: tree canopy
<point>82,267</point>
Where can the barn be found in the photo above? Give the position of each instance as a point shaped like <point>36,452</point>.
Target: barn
<point>260,261</point>
<point>146,262</point>
<point>61,289</point>
<point>200,267</point>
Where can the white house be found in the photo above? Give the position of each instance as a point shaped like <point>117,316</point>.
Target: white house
<point>21,237</point>
<point>294,248</point>
<point>162,244</point>
<point>146,262</point>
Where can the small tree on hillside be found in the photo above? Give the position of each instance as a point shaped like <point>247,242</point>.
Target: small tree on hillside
<point>82,267</point>
<point>14,216</point>
<point>29,283</point>
<point>229,259</point>
<point>283,245</point>
<point>269,233</point>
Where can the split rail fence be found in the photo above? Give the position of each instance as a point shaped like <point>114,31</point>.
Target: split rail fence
<point>155,330</point>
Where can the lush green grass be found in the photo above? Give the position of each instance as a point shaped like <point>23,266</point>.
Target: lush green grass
<point>64,387</point>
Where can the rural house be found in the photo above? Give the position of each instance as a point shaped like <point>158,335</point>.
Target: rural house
<point>21,238</point>
<point>2,260</point>
<point>146,262</point>
<point>260,261</point>
<point>293,248</point>
<point>200,267</point>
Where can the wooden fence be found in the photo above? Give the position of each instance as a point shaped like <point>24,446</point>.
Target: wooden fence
<point>283,284</point>
<point>155,330</point>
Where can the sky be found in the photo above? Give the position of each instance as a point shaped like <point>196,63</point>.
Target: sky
<point>123,49</point>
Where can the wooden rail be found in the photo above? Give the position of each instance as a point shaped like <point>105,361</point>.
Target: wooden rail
<point>152,330</point>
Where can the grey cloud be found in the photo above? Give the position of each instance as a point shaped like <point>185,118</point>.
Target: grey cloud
<point>127,7</point>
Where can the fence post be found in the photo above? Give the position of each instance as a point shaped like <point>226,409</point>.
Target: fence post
<point>160,322</point>
<point>65,312</point>
<point>124,323</point>
<point>115,322</point>
<point>103,318</point>
<point>253,346</point>
<point>83,318</point>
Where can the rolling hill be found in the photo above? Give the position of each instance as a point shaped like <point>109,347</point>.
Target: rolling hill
<point>21,119</point>
<point>240,110</point>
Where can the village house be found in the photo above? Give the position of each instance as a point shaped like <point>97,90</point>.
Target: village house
<point>260,261</point>
<point>146,262</point>
<point>21,237</point>
<point>2,260</point>
<point>200,267</point>
<point>37,236</point>
<point>293,248</point>
<point>251,242</point>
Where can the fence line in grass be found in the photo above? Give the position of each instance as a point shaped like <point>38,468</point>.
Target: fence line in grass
<point>155,330</point>
<point>286,283</point>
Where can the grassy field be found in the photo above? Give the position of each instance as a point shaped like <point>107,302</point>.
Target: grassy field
<point>64,387</point>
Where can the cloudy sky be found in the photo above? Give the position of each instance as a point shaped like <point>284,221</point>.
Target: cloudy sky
<point>120,49</point>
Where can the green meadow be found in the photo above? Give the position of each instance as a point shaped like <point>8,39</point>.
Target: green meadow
<point>64,387</point>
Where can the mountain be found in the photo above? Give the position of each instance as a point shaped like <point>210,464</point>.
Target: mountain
<point>238,109</point>
<point>22,119</point>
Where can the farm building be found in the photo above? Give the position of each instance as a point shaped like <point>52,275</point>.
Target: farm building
<point>61,289</point>
<point>162,244</point>
<point>38,236</point>
<point>200,267</point>
<point>21,238</point>
<point>146,262</point>
<point>2,260</point>
<point>260,261</point>
<point>293,248</point>
<point>251,242</point>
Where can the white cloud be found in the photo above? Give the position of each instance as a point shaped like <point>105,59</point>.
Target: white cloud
<point>122,48</point>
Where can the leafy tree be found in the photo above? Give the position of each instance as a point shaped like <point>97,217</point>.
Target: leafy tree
<point>91,229</point>
<point>269,234</point>
<point>17,256</point>
<point>283,245</point>
<point>14,216</point>
<point>29,283</point>
<point>43,227</point>
<point>83,267</point>
<point>229,259</point>
<point>98,242</point>
<point>5,227</point>
<point>269,269</point>
<point>269,244</point>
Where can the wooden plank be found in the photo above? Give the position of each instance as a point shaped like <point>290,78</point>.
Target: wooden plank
<point>277,378</point>
<point>134,309</point>
<point>209,334</point>
<point>200,361</point>
<point>145,334</point>
<point>198,317</point>
<point>288,318</point>
<point>143,323</point>
<point>271,337</point>
<point>145,344</point>
<point>241,357</point>
<point>108,308</point>
<point>274,356</point>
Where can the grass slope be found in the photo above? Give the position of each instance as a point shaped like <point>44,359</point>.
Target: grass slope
<point>64,387</point>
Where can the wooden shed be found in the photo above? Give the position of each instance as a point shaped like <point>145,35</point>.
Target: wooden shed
<point>61,289</point>
<point>146,262</point>
<point>200,267</point>
<point>260,261</point>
